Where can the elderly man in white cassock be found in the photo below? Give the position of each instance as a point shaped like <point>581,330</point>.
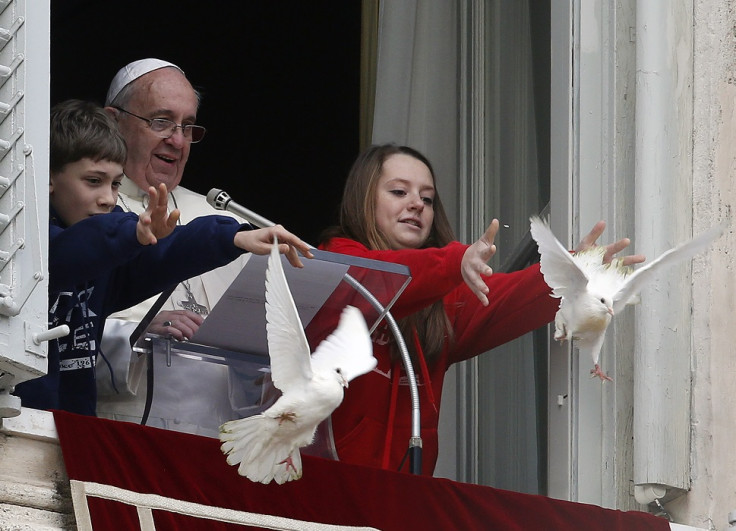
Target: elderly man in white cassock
<point>156,110</point>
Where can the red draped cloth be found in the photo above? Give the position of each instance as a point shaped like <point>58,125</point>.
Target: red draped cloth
<point>182,482</point>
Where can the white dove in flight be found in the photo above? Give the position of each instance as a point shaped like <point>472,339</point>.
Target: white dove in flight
<point>267,445</point>
<point>593,292</point>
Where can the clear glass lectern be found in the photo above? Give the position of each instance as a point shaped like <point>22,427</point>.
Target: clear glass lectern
<point>222,372</point>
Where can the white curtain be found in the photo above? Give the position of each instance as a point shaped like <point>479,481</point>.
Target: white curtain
<point>422,96</point>
<point>416,84</point>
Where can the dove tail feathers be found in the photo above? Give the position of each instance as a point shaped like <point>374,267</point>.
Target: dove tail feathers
<point>249,443</point>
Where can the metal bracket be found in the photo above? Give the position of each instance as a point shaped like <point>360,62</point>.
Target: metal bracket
<point>36,335</point>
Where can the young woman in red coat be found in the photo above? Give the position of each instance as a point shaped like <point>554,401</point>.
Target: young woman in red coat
<point>453,309</point>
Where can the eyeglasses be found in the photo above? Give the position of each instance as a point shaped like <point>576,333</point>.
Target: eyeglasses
<point>164,128</point>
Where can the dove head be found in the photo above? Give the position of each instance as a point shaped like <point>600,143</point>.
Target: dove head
<point>341,377</point>
<point>599,312</point>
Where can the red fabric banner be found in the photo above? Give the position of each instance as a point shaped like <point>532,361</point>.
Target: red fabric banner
<point>170,476</point>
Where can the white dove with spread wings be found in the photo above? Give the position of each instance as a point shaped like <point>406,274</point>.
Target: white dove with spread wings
<point>267,445</point>
<point>593,292</point>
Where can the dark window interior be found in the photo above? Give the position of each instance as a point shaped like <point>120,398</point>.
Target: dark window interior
<point>280,85</point>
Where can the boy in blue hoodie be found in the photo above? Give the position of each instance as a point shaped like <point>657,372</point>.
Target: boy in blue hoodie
<point>100,264</point>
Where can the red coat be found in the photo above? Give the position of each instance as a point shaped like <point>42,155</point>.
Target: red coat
<point>519,303</point>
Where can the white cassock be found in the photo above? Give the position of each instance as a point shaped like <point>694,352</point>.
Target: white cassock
<point>190,397</point>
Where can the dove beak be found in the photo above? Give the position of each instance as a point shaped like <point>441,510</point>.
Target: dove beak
<point>610,310</point>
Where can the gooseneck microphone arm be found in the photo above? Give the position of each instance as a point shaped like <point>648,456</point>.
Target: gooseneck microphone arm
<point>221,200</point>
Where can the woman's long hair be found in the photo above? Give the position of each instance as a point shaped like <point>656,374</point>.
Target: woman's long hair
<point>358,222</point>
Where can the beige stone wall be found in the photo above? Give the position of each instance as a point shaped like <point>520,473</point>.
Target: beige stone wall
<point>34,487</point>
<point>713,454</point>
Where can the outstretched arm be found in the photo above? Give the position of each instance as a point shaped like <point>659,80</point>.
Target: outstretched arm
<point>259,241</point>
<point>474,264</point>
<point>156,221</point>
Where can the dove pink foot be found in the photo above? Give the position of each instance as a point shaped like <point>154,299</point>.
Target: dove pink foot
<point>289,464</point>
<point>596,371</point>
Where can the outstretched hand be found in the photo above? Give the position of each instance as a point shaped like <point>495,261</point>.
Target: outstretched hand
<point>589,240</point>
<point>156,221</point>
<point>474,265</point>
<point>259,241</point>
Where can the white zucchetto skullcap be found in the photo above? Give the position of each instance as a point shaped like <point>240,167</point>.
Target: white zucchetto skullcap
<point>133,71</point>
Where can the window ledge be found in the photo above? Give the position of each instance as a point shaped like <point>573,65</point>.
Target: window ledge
<point>31,424</point>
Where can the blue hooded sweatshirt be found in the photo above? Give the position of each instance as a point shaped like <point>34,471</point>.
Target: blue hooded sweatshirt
<point>96,268</point>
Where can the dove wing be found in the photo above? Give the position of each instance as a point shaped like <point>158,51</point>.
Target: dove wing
<point>560,270</point>
<point>634,283</point>
<point>287,345</point>
<point>349,347</point>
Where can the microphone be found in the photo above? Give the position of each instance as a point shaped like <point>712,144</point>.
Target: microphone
<point>221,200</point>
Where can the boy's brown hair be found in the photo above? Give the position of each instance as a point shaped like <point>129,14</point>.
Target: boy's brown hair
<point>82,129</point>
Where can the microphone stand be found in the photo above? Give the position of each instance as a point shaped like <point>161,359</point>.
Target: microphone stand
<point>220,199</point>
<point>415,441</point>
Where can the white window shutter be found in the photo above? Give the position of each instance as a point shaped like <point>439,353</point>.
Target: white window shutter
<point>24,145</point>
